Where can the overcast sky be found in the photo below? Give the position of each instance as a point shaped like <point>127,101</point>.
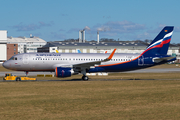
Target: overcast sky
<point>54,20</point>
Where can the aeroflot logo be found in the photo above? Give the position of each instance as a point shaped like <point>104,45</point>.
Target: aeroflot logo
<point>44,54</point>
<point>165,30</point>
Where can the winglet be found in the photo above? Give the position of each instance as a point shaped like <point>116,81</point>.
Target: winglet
<point>111,55</point>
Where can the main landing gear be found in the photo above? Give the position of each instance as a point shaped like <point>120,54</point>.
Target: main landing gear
<point>85,78</point>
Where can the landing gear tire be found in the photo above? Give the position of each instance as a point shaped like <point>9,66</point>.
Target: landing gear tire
<point>18,79</point>
<point>85,78</point>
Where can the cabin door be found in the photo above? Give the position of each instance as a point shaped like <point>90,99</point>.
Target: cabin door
<point>25,59</point>
<point>141,60</point>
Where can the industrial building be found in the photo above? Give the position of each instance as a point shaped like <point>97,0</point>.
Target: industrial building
<point>10,46</point>
<point>101,47</point>
<point>27,45</point>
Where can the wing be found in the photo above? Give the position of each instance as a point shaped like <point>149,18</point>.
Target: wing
<point>83,66</point>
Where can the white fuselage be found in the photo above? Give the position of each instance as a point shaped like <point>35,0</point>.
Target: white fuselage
<point>49,61</point>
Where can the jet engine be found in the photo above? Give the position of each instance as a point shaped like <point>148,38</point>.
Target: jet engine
<point>63,72</point>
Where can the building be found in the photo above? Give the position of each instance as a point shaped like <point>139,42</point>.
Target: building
<point>3,45</point>
<point>27,45</point>
<point>93,47</point>
<point>12,49</point>
<point>100,47</point>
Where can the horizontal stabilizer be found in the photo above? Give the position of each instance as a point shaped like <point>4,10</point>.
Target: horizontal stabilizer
<point>157,59</point>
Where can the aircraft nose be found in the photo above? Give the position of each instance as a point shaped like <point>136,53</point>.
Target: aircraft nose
<point>5,65</point>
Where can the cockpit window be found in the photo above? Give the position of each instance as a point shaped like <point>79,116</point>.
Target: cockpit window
<point>13,58</point>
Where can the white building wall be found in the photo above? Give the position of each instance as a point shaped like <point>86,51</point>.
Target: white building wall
<point>73,51</point>
<point>66,50</point>
<point>170,52</point>
<point>3,36</point>
<point>84,51</point>
<point>3,45</point>
<point>3,52</point>
<point>60,50</point>
<point>52,49</point>
<point>91,51</point>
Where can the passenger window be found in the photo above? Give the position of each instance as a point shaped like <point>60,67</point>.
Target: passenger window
<point>15,58</point>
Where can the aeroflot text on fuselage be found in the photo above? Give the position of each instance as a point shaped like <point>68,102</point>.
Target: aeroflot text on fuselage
<point>45,54</point>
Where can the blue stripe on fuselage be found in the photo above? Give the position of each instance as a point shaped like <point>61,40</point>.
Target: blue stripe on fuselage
<point>126,66</point>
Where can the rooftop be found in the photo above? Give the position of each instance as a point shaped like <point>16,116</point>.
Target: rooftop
<point>118,43</point>
<point>25,40</point>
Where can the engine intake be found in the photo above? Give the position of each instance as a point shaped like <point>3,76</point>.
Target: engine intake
<point>62,72</point>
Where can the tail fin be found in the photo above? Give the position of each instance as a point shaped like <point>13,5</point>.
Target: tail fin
<point>159,46</point>
<point>78,51</point>
<point>57,51</point>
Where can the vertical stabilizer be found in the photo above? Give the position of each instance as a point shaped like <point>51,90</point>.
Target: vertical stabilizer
<point>159,46</point>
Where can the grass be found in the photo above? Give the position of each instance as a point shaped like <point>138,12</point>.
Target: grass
<point>124,96</point>
<point>138,100</point>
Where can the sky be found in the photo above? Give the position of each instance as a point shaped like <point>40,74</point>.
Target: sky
<point>56,20</point>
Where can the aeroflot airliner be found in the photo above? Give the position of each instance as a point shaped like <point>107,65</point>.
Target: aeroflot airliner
<point>67,64</point>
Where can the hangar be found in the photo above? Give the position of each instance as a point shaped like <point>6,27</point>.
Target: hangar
<point>100,47</point>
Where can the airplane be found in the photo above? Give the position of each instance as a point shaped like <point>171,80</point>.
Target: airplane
<point>78,51</point>
<point>67,64</point>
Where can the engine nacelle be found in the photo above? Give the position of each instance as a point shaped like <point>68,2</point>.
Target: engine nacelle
<point>63,72</point>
